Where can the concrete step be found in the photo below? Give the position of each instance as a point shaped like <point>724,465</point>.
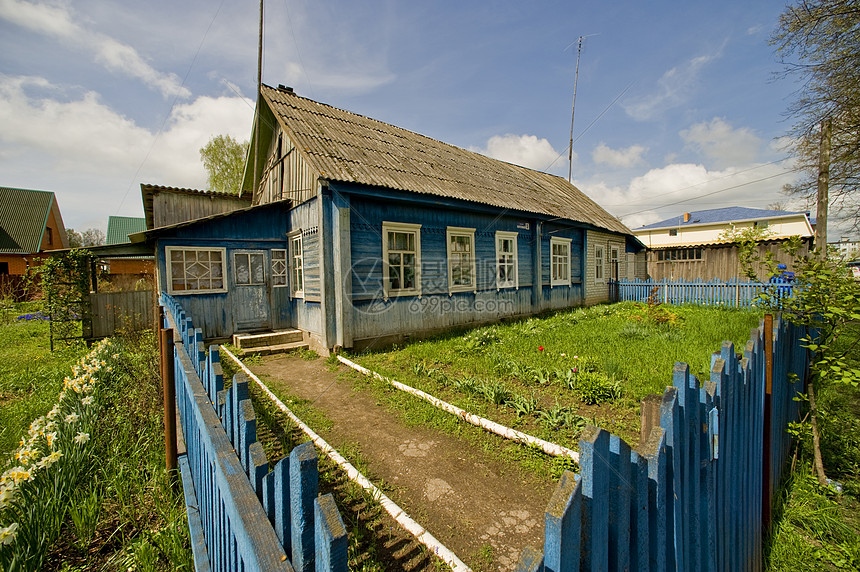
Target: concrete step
<point>275,349</point>
<point>249,341</point>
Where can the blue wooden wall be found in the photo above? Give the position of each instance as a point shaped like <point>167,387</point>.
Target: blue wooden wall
<point>436,310</point>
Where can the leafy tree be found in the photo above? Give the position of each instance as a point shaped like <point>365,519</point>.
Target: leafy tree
<point>224,160</point>
<point>818,42</point>
<point>89,237</point>
<point>827,300</point>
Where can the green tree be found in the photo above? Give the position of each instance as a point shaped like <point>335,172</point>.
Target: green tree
<point>818,43</point>
<point>826,299</point>
<point>89,237</point>
<point>224,160</point>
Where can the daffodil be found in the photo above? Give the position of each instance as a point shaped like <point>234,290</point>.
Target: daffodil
<point>72,418</point>
<point>82,438</point>
<point>7,534</point>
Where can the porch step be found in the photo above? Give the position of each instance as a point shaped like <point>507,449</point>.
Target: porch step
<point>275,349</point>
<point>268,339</point>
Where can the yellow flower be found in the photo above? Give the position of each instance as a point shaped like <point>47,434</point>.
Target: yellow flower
<point>7,534</point>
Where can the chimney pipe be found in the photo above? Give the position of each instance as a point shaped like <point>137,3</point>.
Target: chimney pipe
<point>686,217</point>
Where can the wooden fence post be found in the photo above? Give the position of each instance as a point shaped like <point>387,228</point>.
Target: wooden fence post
<point>649,415</point>
<point>304,486</point>
<point>169,385</point>
<point>329,536</point>
<point>768,421</point>
<point>562,525</point>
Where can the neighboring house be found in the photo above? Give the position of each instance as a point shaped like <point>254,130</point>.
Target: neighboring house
<point>132,268</point>
<point>845,249</point>
<point>693,245</point>
<point>30,224</point>
<point>364,233</point>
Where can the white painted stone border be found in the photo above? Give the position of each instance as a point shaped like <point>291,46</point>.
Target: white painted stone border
<point>491,426</point>
<point>397,513</point>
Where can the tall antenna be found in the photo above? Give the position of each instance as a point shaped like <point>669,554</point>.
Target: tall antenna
<point>573,108</point>
<point>259,101</point>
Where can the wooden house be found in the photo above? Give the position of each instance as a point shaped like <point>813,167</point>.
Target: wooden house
<point>694,245</point>
<point>127,272</point>
<point>30,225</point>
<point>364,233</point>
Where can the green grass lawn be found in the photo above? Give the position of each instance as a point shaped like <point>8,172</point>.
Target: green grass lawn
<point>550,375</point>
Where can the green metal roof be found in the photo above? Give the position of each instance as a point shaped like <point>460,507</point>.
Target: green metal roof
<point>23,215</point>
<point>119,227</point>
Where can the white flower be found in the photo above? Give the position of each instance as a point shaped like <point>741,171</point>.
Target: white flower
<point>82,438</point>
<point>7,534</point>
<point>88,400</point>
<point>72,418</point>
<point>7,495</point>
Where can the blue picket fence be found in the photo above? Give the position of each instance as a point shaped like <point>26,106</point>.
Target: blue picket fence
<point>716,292</point>
<point>242,516</point>
<point>690,497</point>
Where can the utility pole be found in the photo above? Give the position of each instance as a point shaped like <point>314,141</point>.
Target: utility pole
<point>572,111</point>
<point>259,102</point>
<point>823,186</point>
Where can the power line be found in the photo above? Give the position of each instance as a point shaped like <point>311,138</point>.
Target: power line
<point>172,106</point>
<point>710,193</point>
<point>728,176</point>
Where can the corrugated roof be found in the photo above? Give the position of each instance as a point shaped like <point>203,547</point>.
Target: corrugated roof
<point>23,214</point>
<point>713,216</point>
<point>344,146</point>
<point>119,227</point>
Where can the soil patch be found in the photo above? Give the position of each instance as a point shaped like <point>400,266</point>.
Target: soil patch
<point>482,508</point>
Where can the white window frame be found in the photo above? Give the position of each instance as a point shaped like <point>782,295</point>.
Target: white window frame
<point>555,279</point>
<point>599,263</point>
<point>514,280</point>
<point>249,254</point>
<point>453,232</point>
<point>404,227</point>
<point>168,255</point>
<point>280,276</point>
<point>296,264</point>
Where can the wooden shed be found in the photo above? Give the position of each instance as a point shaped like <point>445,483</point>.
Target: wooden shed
<point>364,233</point>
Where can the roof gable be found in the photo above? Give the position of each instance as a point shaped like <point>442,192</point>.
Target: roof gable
<point>343,146</point>
<point>23,214</point>
<point>715,216</point>
<point>119,227</point>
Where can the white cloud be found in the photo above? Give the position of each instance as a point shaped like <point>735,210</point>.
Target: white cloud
<point>99,154</point>
<point>719,141</point>
<point>683,187</point>
<point>525,150</point>
<point>55,20</point>
<point>622,158</point>
<point>673,89</point>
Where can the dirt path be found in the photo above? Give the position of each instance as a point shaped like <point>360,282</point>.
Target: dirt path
<point>483,509</point>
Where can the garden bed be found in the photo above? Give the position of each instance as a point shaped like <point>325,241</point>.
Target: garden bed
<point>549,376</point>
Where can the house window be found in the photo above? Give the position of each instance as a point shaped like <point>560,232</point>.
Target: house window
<point>599,255</point>
<point>506,260</point>
<point>248,267</point>
<point>195,270</point>
<point>50,236</point>
<point>401,257</point>
<point>614,269</point>
<point>297,267</point>
<point>279,267</point>
<point>560,261</point>
<point>679,255</point>
<point>673,232</point>
<point>4,268</point>
<point>761,224</point>
<point>461,259</point>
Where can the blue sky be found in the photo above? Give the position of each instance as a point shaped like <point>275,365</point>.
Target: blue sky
<point>98,96</point>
